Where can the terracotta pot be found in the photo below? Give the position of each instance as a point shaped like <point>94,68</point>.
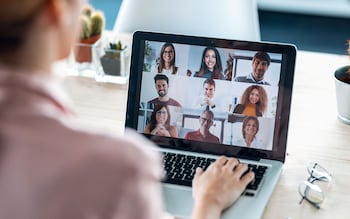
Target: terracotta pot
<point>84,49</point>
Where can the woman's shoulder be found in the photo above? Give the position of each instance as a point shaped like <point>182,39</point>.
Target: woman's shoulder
<point>130,145</point>
<point>115,151</point>
<point>173,130</point>
<point>238,108</point>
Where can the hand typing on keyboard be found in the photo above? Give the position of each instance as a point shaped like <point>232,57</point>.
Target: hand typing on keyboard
<point>219,186</point>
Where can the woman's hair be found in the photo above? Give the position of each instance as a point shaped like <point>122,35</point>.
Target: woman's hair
<point>153,120</point>
<point>217,73</point>
<point>161,60</point>
<point>15,21</point>
<point>245,122</point>
<point>262,103</point>
<point>229,67</point>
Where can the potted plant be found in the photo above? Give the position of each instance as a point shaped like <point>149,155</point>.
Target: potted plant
<point>342,88</point>
<point>92,22</point>
<point>343,73</point>
<point>113,61</point>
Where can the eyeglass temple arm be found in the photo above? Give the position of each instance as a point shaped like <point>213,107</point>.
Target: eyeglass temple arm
<point>312,203</point>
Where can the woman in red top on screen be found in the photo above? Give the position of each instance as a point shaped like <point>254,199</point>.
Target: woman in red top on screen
<point>160,122</point>
<point>253,101</point>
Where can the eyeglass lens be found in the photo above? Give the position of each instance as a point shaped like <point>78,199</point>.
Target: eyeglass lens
<point>311,193</point>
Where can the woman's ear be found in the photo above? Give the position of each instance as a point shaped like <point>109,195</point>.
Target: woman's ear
<point>64,15</point>
<point>55,10</point>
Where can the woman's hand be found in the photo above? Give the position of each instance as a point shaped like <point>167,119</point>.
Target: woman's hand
<point>218,187</point>
<point>160,130</point>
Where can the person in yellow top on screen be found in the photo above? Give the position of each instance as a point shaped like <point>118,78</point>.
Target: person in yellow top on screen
<point>54,166</point>
<point>160,122</point>
<point>253,101</point>
<point>167,60</point>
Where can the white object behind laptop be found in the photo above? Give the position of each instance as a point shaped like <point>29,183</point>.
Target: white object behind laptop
<point>231,19</point>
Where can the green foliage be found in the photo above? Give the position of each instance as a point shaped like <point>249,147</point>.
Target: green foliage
<point>114,49</point>
<point>116,46</point>
<point>148,49</point>
<point>92,22</point>
<point>147,52</point>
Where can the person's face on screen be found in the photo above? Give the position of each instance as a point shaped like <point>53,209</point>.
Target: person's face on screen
<point>206,121</point>
<point>161,116</point>
<point>168,54</point>
<point>210,59</point>
<point>251,128</point>
<point>162,88</point>
<point>254,96</point>
<point>259,69</point>
<point>209,90</point>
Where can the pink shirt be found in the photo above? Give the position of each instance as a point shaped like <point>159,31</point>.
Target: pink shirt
<point>53,167</point>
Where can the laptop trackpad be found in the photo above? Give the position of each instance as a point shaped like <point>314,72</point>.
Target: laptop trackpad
<point>178,200</point>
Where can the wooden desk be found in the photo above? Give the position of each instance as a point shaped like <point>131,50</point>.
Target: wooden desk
<point>315,134</point>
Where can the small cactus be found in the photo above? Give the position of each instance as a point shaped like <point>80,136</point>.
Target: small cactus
<point>116,46</point>
<point>97,23</point>
<point>87,10</point>
<point>92,22</point>
<point>114,49</point>
<point>85,27</point>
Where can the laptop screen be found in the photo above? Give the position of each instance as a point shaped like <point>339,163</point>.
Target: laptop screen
<point>211,95</point>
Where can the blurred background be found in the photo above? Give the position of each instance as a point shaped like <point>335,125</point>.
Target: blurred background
<point>312,25</point>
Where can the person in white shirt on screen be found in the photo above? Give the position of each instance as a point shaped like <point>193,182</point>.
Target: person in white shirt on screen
<point>166,62</point>
<point>52,165</point>
<point>260,64</point>
<point>206,101</point>
<point>250,128</point>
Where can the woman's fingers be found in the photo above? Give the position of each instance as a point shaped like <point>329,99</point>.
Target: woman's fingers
<point>232,163</point>
<point>222,160</point>
<point>199,171</point>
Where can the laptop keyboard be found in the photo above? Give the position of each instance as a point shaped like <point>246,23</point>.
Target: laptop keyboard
<point>180,169</point>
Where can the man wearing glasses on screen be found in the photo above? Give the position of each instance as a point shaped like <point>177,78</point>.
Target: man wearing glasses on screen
<point>260,64</point>
<point>203,133</point>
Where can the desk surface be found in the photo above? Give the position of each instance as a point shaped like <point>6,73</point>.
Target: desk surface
<point>315,134</point>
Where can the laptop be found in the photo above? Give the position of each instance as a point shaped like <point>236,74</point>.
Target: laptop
<point>181,142</point>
